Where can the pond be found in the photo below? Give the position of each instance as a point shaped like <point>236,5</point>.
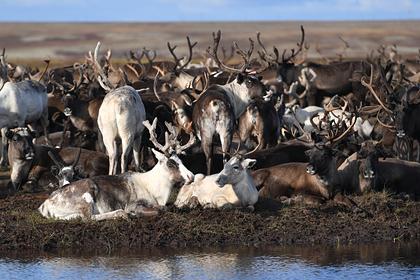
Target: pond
<point>374,261</point>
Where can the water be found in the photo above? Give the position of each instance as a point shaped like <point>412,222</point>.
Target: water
<point>380,261</point>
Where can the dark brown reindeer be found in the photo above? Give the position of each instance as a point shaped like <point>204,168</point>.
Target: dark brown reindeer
<point>260,120</point>
<point>218,108</point>
<point>31,163</point>
<point>395,175</point>
<point>310,180</point>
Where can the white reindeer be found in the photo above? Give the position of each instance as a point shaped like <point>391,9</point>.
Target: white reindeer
<point>108,197</point>
<point>21,103</point>
<point>232,187</point>
<point>121,115</point>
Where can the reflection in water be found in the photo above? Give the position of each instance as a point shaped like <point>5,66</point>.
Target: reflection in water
<point>379,261</point>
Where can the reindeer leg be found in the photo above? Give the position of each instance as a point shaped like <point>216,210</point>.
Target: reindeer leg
<point>44,123</point>
<point>137,152</point>
<point>226,141</point>
<point>126,145</point>
<point>111,148</point>
<point>207,146</point>
<point>117,214</point>
<point>3,160</point>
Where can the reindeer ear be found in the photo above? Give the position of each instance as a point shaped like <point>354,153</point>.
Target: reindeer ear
<point>248,163</point>
<point>159,156</point>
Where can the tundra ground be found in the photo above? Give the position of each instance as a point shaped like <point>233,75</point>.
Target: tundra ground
<point>384,218</point>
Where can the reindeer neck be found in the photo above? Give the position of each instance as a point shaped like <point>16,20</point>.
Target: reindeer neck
<point>245,188</point>
<point>238,96</point>
<point>155,183</point>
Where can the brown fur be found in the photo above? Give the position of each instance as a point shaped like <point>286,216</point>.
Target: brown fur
<point>287,180</point>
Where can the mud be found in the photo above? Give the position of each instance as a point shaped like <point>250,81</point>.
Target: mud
<point>384,218</point>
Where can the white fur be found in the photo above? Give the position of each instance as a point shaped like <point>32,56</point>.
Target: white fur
<point>238,96</point>
<point>121,115</point>
<point>22,103</point>
<point>153,188</point>
<point>210,195</point>
<point>87,197</point>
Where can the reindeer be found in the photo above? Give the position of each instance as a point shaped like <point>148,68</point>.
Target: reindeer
<point>232,187</point>
<point>31,164</point>
<point>218,108</point>
<point>310,180</point>
<point>393,174</point>
<point>21,103</point>
<point>121,115</point>
<point>260,120</point>
<point>109,197</point>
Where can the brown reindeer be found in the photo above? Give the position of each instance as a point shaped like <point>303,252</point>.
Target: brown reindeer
<point>218,108</point>
<point>260,120</point>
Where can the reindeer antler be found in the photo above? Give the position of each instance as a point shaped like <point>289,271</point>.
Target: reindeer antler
<point>173,138</point>
<point>153,137</point>
<point>370,87</point>
<point>245,55</point>
<point>300,45</point>
<point>102,78</point>
<point>172,144</point>
<point>177,60</point>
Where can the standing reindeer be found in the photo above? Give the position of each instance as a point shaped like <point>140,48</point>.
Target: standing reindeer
<point>218,108</point>
<point>21,103</point>
<point>121,115</point>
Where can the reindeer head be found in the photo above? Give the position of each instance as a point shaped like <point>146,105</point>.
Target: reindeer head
<point>167,155</point>
<point>286,66</point>
<point>244,76</point>
<point>234,170</point>
<point>368,158</point>
<point>321,157</point>
<point>64,173</point>
<point>20,144</point>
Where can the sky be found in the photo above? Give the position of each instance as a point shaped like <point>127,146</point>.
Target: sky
<point>206,10</point>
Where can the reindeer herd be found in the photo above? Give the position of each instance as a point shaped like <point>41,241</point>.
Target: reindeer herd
<point>113,140</point>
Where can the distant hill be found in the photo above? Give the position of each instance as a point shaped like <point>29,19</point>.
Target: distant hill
<point>70,41</point>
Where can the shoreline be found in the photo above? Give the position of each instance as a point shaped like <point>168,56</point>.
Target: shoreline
<point>395,218</point>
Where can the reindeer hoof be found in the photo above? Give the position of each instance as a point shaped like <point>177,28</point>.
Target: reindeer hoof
<point>250,208</point>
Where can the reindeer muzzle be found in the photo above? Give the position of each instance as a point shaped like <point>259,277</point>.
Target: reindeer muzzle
<point>310,169</point>
<point>221,180</point>
<point>368,174</point>
<point>400,133</point>
<point>29,155</point>
<point>67,112</point>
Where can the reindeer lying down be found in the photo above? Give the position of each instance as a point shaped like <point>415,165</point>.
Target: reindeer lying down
<point>115,196</point>
<point>232,187</point>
